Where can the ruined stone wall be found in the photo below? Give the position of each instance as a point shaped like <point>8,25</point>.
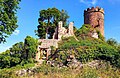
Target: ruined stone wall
<point>95,17</point>
<point>46,43</point>
<point>63,32</point>
<point>71,33</point>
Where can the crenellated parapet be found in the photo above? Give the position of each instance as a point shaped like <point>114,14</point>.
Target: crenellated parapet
<point>94,9</point>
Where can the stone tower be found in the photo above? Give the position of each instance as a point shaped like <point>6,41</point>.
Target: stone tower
<point>95,17</point>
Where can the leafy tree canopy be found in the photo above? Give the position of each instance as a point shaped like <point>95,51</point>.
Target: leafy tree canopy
<point>20,53</point>
<point>112,42</point>
<point>48,21</point>
<point>30,47</point>
<point>8,20</point>
<point>12,57</point>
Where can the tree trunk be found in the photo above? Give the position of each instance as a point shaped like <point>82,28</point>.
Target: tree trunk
<point>47,28</point>
<point>47,33</point>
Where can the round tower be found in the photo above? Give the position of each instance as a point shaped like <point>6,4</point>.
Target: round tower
<point>95,17</point>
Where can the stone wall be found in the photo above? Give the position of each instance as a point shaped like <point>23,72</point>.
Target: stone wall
<point>46,43</point>
<point>62,31</point>
<point>45,48</point>
<point>95,17</point>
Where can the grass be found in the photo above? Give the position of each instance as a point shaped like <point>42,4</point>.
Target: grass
<point>10,72</point>
<point>45,71</point>
<point>85,72</point>
<point>106,71</point>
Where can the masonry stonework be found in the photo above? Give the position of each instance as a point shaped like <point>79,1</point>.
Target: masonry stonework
<point>44,50</point>
<point>95,17</point>
<point>61,31</point>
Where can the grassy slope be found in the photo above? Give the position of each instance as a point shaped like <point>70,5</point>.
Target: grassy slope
<point>86,72</point>
<point>70,45</point>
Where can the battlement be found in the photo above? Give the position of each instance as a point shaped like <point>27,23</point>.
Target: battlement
<point>94,9</point>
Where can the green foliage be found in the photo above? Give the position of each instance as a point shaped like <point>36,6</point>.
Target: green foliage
<point>17,50</point>
<point>100,36</point>
<point>48,21</point>
<point>30,47</point>
<point>62,56</point>
<point>63,17</point>
<point>13,56</point>
<point>10,72</point>
<point>88,73</point>
<point>89,49</point>
<point>86,31</point>
<point>67,41</point>
<point>74,29</point>
<point>112,42</point>
<point>8,20</point>
<point>20,53</point>
<point>100,51</point>
<point>48,69</point>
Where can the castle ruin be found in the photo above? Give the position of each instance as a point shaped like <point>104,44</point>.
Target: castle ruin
<point>93,16</point>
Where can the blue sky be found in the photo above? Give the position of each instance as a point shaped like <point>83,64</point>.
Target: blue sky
<point>29,13</point>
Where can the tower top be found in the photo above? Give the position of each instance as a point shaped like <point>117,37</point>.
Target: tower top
<point>95,17</point>
<point>94,9</point>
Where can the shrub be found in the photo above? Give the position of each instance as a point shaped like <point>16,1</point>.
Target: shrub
<point>89,49</point>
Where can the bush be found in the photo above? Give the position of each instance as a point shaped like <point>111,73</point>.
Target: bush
<point>20,53</point>
<point>10,72</point>
<point>89,49</point>
<point>87,73</point>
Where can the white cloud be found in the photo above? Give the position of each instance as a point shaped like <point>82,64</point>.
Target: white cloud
<point>16,32</point>
<point>92,2</point>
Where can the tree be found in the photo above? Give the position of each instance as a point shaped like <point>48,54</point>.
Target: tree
<point>20,53</point>
<point>112,42</point>
<point>64,16</point>
<point>13,56</point>
<point>8,20</point>
<point>5,59</point>
<point>30,46</point>
<point>48,21</point>
<point>17,50</point>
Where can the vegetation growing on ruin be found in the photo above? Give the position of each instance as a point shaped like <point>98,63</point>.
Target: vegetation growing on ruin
<point>90,49</point>
<point>86,31</point>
